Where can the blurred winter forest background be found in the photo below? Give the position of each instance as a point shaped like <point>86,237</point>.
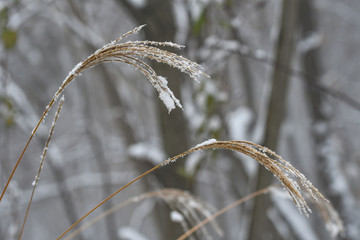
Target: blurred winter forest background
<point>284,74</point>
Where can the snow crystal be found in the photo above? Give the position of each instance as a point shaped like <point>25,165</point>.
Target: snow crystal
<point>167,100</point>
<point>176,216</point>
<point>207,142</point>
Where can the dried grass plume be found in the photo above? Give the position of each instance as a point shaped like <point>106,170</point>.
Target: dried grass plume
<point>132,53</point>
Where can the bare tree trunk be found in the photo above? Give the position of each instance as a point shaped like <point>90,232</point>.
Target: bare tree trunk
<point>260,224</point>
<point>158,16</point>
<point>322,139</point>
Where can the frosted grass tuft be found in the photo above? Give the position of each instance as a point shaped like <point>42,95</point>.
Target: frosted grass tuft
<point>131,53</point>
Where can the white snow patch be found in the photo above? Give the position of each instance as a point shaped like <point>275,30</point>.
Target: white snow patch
<point>239,122</point>
<point>166,95</point>
<point>167,100</point>
<point>207,142</point>
<point>128,233</point>
<point>146,151</point>
<point>176,216</point>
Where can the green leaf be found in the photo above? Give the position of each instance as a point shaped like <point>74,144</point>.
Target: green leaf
<point>8,37</point>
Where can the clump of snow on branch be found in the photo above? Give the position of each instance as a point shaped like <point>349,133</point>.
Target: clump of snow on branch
<point>167,100</point>
<point>167,96</point>
<point>207,142</point>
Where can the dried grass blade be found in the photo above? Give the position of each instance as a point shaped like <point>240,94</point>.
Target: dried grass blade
<point>249,149</point>
<point>42,163</point>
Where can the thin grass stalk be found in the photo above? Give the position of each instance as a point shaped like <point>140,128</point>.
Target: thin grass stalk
<point>37,178</point>
<point>290,178</point>
<point>225,209</point>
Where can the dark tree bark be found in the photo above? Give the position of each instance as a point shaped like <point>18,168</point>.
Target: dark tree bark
<point>158,16</point>
<point>260,225</point>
